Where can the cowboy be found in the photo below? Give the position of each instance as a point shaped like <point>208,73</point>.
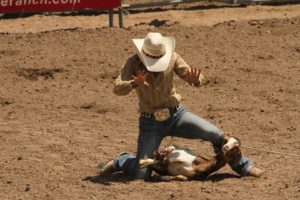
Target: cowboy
<point>150,73</point>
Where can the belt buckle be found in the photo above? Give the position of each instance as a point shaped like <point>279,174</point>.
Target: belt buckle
<point>162,114</point>
<point>148,115</point>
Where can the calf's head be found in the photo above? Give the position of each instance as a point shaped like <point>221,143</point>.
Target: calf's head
<point>231,150</point>
<point>162,156</point>
<point>160,161</point>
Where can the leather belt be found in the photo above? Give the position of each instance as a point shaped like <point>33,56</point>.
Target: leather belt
<point>172,110</point>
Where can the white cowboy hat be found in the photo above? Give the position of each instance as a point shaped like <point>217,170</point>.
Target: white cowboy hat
<point>155,51</point>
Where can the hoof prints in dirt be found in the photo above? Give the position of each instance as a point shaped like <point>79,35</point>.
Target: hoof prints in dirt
<point>213,81</point>
<point>158,23</point>
<point>100,109</point>
<point>33,74</point>
<point>88,105</point>
<point>8,52</point>
<point>5,102</point>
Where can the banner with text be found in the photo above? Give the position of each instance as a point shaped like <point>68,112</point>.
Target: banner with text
<point>15,6</point>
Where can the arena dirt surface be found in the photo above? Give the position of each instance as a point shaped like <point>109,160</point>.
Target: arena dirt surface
<point>59,117</point>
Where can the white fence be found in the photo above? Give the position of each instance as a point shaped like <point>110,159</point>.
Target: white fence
<point>170,2</point>
<point>173,2</point>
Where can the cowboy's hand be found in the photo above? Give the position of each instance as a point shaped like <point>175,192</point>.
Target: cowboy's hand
<point>193,77</point>
<point>141,78</point>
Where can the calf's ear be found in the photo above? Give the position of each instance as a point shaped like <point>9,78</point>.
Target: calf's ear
<point>228,135</point>
<point>237,139</point>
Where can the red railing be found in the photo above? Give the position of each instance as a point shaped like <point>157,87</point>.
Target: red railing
<point>17,6</point>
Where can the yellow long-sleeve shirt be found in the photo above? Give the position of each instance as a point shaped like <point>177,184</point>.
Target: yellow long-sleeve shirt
<point>161,92</point>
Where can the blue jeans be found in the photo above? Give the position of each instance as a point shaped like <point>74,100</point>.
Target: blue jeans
<point>182,124</point>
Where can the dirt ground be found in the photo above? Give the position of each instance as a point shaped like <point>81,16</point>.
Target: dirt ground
<point>59,117</point>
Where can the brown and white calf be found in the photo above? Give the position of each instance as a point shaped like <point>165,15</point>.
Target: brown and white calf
<point>175,163</point>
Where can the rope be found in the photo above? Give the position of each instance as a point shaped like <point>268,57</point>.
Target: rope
<point>171,140</point>
<point>253,148</point>
<point>275,152</point>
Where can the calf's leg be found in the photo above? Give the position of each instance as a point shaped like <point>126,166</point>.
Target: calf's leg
<point>170,178</point>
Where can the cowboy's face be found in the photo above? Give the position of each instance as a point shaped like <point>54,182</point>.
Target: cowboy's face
<point>146,70</point>
<point>155,73</point>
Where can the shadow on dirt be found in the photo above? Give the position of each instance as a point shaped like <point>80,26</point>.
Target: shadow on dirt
<point>107,180</point>
<point>219,177</point>
<point>123,178</point>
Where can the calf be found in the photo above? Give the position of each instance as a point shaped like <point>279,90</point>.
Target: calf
<point>181,164</point>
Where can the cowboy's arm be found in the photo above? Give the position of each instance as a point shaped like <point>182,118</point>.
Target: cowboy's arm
<point>182,69</point>
<point>124,83</point>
